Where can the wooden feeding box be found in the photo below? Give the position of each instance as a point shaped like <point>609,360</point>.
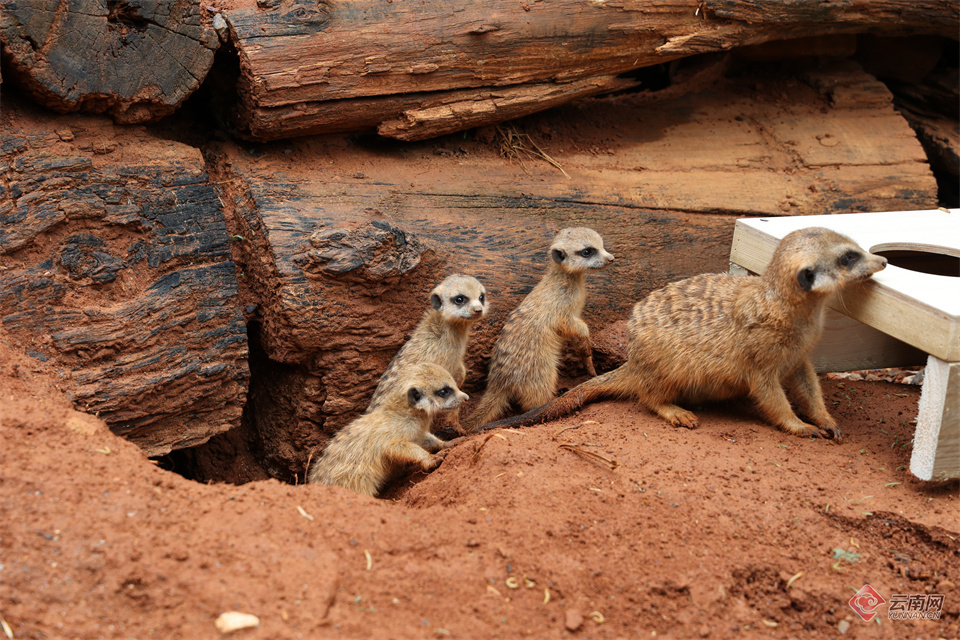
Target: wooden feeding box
<point>908,311</point>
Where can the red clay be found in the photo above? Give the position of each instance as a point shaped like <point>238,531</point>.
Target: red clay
<point>693,534</point>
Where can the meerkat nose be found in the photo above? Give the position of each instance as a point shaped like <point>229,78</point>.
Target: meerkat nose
<point>477,311</point>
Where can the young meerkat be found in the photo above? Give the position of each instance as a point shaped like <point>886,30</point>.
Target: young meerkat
<point>441,335</point>
<point>523,365</point>
<point>362,456</point>
<point>714,337</point>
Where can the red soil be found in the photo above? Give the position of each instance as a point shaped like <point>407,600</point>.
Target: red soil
<point>693,534</point>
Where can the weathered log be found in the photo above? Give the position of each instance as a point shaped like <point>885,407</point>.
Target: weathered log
<point>930,108</point>
<point>343,240</point>
<point>136,60</point>
<point>308,67</point>
<point>115,265</point>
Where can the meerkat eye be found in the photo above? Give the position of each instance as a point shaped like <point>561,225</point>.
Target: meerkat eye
<point>444,392</point>
<point>850,258</point>
<point>586,253</point>
<point>459,300</point>
<point>482,298</point>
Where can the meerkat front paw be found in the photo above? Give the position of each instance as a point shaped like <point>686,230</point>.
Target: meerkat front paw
<point>431,463</point>
<point>447,444</point>
<point>832,432</point>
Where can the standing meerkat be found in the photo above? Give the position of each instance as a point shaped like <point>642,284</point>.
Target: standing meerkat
<point>363,454</point>
<point>523,365</point>
<point>714,337</point>
<point>441,335</point>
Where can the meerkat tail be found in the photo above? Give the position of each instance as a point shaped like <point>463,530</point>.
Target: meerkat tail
<point>608,384</point>
<point>494,402</point>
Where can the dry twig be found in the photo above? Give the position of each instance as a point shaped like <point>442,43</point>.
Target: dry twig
<point>513,143</point>
<point>596,457</point>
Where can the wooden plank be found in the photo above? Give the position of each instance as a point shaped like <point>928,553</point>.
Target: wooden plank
<point>297,54</point>
<point>849,345</point>
<point>936,443</point>
<point>920,309</point>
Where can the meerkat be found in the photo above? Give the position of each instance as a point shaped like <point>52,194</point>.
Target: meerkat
<point>523,365</point>
<point>362,456</point>
<point>714,337</point>
<point>441,336</point>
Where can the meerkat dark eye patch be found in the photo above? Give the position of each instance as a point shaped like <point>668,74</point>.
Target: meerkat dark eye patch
<point>482,298</point>
<point>849,259</point>
<point>459,300</point>
<point>806,277</point>
<point>444,392</point>
<point>586,253</point>
<point>558,256</point>
<point>414,395</point>
<point>436,301</point>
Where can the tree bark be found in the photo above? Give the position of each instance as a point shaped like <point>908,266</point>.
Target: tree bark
<point>358,64</point>
<point>115,266</point>
<point>136,60</point>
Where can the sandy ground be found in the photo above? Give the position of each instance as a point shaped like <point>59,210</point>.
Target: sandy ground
<point>731,530</point>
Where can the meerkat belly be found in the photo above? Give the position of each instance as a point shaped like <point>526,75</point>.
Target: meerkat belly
<point>538,357</point>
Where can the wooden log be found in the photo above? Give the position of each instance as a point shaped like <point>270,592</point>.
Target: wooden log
<point>136,61</point>
<point>344,237</point>
<point>115,266</point>
<point>385,61</point>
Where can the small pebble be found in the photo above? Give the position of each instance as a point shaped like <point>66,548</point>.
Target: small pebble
<point>231,621</point>
<point>572,619</point>
<point>843,626</point>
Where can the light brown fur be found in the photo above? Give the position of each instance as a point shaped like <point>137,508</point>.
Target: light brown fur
<point>441,335</point>
<point>362,456</point>
<point>523,365</point>
<point>713,337</point>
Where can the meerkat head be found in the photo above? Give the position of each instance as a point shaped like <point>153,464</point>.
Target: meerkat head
<point>578,249</point>
<point>823,261</point>
<point>430,389</point>
<point>460,298</point>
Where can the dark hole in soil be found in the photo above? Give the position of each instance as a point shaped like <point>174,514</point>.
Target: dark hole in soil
<point>937,264</point>
<point>232,457</point>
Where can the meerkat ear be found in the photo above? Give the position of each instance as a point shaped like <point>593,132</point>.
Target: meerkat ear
<point>436,301</point>
<point>806,277</point>
<point>414,395</point>
<point>558,256</point>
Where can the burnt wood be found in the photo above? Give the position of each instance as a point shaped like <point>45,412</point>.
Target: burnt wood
<point>115,266</point>
<point>135,60</point>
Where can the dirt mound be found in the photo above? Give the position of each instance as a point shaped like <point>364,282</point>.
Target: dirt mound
<point>693,533</point>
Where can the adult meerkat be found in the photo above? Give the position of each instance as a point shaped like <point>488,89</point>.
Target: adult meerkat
<point>523,365</point>
<point>363,454</point>
<point>441,335</point>
<point>713,337</point>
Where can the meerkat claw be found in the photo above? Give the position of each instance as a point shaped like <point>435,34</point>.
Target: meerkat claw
<point>832,433</point>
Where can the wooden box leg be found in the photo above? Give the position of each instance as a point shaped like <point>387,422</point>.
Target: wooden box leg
<point>936,442</point>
